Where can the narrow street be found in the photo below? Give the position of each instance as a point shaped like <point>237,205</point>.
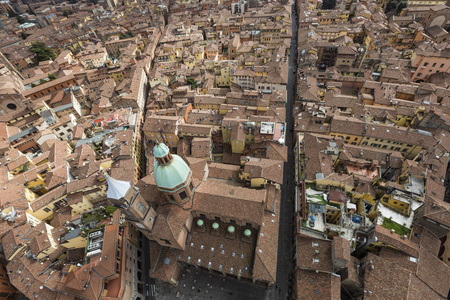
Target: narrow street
<point>218,287</point>
<point>285,250</point>
<point>150,288</point>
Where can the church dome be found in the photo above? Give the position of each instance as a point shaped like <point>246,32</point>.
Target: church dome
<point>171,176</point>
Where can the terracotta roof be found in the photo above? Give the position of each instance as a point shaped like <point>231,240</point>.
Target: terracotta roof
<point>201,147</point>
<point>13,194</point>
<point>230,201</point>
<point>48,84</point>
<point>312,285</point>
<point>434,272</point>
<point>387,237</point>
<point>269,169</point>
<point>48,198</point>
<point>223,171</point>
<point>56,177</point>
<point>385,280</point>
<point>266,251</point>
<point>159,268</point>
<point>314,254</point>
<point>107,266</point>
<point>169,222</point>
<point>419,290</point>
<point>82,282</point>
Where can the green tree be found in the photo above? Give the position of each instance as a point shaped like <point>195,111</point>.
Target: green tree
<point>391,6</point>
<point>51,76</point>
<point>42,51</point>
<point>24,36</point>
<point>21,19</point>
<point>329,4</point>
<point>192,82</point>
<point>12,13</point>
<point>126,35</point>
<point>400,7</point>
<point>75,51</point>
<point>42,81</point>
<point>33,85</point>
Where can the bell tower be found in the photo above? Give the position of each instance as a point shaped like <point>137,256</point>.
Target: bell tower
<point>124,195</point>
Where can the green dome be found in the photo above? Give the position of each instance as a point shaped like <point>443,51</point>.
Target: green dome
<point>247,232</point>
<point>231,229</point>
<point>215,225</point>
<point>160,150</point>
<point>200,222</point>
<point>172,175</point>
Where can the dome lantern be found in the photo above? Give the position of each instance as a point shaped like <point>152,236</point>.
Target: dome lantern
<point>162,154</point>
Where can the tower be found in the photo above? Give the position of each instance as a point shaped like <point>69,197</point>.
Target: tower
<point>172,175</point>
<point>124,195</point>
<point>11,89</point>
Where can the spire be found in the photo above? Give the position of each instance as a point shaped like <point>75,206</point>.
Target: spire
<point>117,189</point>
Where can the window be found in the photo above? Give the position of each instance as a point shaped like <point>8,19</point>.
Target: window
<point>233,222</point>
<point>171,197</point>
<point>140,207</point>
<point>217,219</point>
<point>11,106</point>
<point>183,195</point>
<point>47,209</point>
<point>191,187</point>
